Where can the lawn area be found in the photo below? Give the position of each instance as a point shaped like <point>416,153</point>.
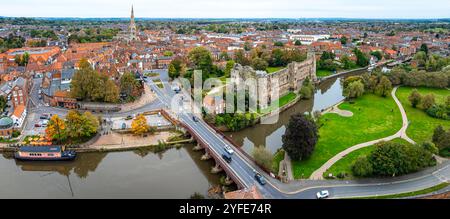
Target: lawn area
<point>274,69</point>
<point>345,164</point>
<point>422,125</point>
<point>282,101</point>
<point>374,118</point>
<point>324,73</point>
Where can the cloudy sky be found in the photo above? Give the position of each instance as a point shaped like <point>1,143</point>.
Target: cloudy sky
<point>228,8</point>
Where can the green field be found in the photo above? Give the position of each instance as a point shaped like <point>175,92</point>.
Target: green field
<point>374,118</point>
<point>323,73</point>
<point>422,125</point>
<point>345,164</point>
<point>274,69</point>
<point>282,102</point>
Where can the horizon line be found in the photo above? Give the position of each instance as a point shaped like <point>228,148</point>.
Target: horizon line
<point>241,18</point>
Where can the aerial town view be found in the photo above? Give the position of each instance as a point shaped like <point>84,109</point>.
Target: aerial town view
<point>225,99</point>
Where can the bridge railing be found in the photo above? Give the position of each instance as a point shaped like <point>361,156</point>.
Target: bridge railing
<point>238,147</point>
<point>217,158</point>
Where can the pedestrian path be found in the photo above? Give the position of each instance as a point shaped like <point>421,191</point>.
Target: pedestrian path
<point>318,174</point>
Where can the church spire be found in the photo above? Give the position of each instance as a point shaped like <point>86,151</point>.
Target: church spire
<point>133,29</point>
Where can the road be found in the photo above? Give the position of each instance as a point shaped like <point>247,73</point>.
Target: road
<point>244,168</point>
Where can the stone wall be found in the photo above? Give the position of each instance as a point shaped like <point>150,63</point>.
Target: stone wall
<point>289,79</point>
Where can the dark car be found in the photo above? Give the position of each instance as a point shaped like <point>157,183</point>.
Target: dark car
<point>37,125</point>
<point>45,117</point>
<point>129,118</point>
<point>227,158</point>
<point>260,179</point>
<point>195,119</point>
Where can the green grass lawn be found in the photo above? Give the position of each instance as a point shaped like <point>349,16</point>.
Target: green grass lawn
<point>422,125</point>
<point>374,118</point>
<point>324,73</point>
<point>345,164</point>
<point>282,102</point>
<point>274,69</point>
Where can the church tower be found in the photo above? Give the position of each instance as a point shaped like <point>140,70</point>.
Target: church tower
<point>133,29</point>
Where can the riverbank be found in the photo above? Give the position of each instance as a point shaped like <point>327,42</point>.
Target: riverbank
<point>116,142</point>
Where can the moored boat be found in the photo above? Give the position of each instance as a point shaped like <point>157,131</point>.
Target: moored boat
<point>45,153</point>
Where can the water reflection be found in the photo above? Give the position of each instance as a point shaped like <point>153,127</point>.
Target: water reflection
<point>176,173</point>
<point>328,93</point>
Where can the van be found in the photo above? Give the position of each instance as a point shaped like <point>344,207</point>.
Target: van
<point>227,158</point>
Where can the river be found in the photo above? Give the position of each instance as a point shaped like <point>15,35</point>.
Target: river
<point>327,94</point>
<point>176,173</point>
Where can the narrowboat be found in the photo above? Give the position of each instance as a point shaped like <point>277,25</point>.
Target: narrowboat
<point>47,153</point>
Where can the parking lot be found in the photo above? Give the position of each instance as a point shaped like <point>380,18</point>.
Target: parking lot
<point>152,120</point>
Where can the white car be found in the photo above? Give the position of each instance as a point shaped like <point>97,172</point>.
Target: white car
<point>323,194</point>
<point>228,150</point>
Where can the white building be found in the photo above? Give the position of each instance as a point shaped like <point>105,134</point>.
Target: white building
<point>309,39</point>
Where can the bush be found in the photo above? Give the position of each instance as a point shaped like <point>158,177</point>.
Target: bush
<point>362,167</point>
<point>15,134</point>
<point>394,159</point>
<point>430,147</point>
<point>439,112</point>
<point>263,157</point>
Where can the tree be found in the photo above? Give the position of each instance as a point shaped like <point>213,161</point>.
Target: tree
<point>74,123</point>
<point>197,196</point>
<point>139,125</point>
<point>111,92</point>
<point>361,59</point>
<point>394,159</point>
<point>344,40</point>
<point>362,167</point>
<point>201,59</point>
<point>300,144</point>
<point>354,90</point>
<point>438,134</point>
<point>279,44</point>
<point>128,83</point>
<point>307,90</point>
<point>263,157</point>
<point>429,146</point>
<point>298,43</point>
<point>428,101</point>
<point>3,103</point>
<point>347,63</point>
<point>384,87</point>
<point>447,102</point>
<point>239,57</point>
<point>247,46</point>
<point>176,68</point>
<point>228,68</point>
<point>259,64</point>
<point>56,129</point>
<point>415,98</point>
<point>424,48</point>
<point>377,54</point>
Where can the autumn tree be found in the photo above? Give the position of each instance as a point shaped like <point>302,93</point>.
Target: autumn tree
<point>56,129</point>
<point>259,64</point>
<point>176,68</point>
<point>139,125</point>
<point>128,84</point>
<point>111,92</point>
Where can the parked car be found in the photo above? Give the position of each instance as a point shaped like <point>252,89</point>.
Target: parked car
<point>229,150</point>
<point>45,117</point>
<point>37,125</point>
<point>129,118</point>
<point>323,194</point>
<point>260,179</point>
<point>195,119</point>
<point>227,158</point>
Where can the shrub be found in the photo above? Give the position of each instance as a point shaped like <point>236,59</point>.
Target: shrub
<point>415,98</point>
<point>438,111</point>
<point>430,147</point>
<point>263,157</point>
<point>362,167</point>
